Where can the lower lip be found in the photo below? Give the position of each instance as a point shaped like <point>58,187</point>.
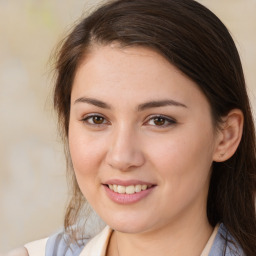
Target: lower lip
<point>127,198</point>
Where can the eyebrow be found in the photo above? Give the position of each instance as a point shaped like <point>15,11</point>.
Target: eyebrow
<point>160,103</point>
<point>92,101</point>
<point>141,107</point>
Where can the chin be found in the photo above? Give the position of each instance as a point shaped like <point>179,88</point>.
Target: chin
<point>129,228</point>
<point>127,224</point>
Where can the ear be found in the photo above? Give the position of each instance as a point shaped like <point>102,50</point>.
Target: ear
<point>229,135</point>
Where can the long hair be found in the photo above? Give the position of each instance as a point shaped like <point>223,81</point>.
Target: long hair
<point>194,40</point>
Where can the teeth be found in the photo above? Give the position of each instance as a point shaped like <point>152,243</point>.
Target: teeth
<point>128,189</point>
<point>120,189</point>
<point>137,188</point>
<point>144,187</point>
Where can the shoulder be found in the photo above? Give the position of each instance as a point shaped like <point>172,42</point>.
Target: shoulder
<point>55,245</point>
<point>59,245</point>
<point>225,244</point>
<point>36,247</point>
<point>18,252</point>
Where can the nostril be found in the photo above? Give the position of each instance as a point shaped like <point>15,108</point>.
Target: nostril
<point>125,161</point>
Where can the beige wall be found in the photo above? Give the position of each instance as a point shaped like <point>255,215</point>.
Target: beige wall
<point>32,167</point>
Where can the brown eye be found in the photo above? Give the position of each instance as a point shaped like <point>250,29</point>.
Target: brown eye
<point>98,120</point>
<point>95,120</point>
<point>159,121</point>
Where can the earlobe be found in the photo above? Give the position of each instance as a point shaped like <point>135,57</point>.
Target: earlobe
<point>230,135</point>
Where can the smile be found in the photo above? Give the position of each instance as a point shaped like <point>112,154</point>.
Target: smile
<point>131,189</point>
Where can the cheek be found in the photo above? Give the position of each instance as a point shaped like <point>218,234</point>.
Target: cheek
<point>85,160</point>
<point>183,161</point>
<point>86,154</point>
<point>183,167</point>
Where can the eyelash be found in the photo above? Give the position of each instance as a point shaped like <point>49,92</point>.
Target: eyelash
<point>87,118</point>
<point>167,120</point>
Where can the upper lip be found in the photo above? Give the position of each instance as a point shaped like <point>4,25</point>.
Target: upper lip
<point>128,182</point>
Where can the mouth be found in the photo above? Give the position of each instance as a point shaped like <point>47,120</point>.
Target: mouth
<point>128,192</point>
<point>131,189</point>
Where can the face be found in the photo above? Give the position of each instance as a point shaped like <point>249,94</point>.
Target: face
<point>141,139</point>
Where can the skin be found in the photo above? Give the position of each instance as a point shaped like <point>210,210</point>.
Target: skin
<point>175,154</point>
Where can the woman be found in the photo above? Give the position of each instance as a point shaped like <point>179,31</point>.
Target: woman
<point>152,104</point>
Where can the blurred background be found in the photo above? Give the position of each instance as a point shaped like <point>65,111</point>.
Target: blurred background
<point>33,191</point>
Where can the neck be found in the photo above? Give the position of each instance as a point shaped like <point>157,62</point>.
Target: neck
<point>181,238</point>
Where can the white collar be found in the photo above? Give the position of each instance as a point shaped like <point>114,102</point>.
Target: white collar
<point>98,245</point>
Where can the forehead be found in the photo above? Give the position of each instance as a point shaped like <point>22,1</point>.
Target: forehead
<point>136,59</point>
<point>131,74</point>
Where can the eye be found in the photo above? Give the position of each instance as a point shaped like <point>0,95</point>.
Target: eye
<point>95,120</point>
<point>161,121</point>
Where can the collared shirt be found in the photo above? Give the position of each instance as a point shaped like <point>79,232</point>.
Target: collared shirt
<point>97,246</point>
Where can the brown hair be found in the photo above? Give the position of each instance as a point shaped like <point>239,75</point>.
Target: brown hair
<point>194,40</point>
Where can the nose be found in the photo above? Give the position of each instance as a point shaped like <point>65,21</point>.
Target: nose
<point>125,150</point>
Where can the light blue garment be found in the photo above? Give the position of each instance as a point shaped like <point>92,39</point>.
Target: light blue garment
<point>56,245</point>
<point>220,247</point>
